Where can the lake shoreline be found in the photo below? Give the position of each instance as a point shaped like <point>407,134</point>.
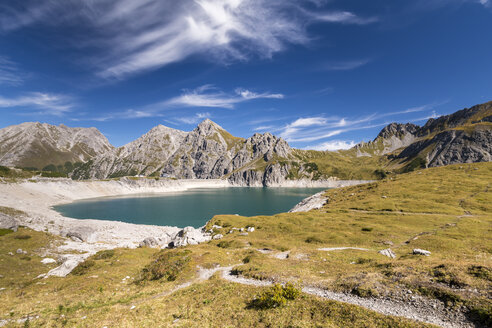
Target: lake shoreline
<point>36,197</point>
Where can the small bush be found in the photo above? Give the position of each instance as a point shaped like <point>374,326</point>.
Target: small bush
<point>380,174</point>
<point>103,255</point>
<point>480,272</point>
<point>229,244</point>
<point>275,296</point>
<point>167,265</point>
<point>366,229</point>
<point>83,267</point>
<point>313,240</point>
<point>482,316</point>
<point>22,237</point>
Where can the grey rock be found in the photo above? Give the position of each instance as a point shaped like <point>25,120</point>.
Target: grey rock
<point>218,236</point>
<point>19,251</point>
<point>149,242</point>
<point>80,233</point>
<point>387,252</point>
<point>251,229</point>
<point>50,144</point>
<point>8,222</point>
<point>418,251</point>
<point>189,236</point>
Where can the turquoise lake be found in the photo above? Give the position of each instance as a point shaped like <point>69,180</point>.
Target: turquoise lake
<point>187,208</point>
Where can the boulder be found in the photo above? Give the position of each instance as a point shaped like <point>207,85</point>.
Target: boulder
<point>418,251</point>
<point>388,252</point>
<point>8,222</point>
<point>218,236</point>
<point>251,229</point>
<point>149,242</point>
<point>80,234</point>
<point>189,236</point>
<point>48,261</point>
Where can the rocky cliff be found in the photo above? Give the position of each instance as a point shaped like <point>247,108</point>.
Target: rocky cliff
<point>143,156</point>
<point>207,152</point>
<point>462,137</point>
<point>38,145</point>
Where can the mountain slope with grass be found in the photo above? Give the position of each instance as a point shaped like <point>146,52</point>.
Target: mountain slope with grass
<point>334,251</point>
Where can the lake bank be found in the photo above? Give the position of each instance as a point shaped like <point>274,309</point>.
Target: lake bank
<point>86,237</point>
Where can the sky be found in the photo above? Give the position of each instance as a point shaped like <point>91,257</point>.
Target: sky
<point>322,74</point>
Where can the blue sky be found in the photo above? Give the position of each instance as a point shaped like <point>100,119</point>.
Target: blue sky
<point>321,74</point>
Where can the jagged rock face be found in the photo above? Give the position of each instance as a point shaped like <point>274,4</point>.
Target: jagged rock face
<point>203,154</point>
<point>37,145</point>
<point>398,130</point>
<point>209,152</point>
<point>392,137</point>
<point>144,156</point>
<point>453,147</point>
<point>459,118</point>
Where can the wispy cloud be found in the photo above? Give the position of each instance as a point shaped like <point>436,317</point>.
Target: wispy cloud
<point>309,129</point>
<point>332,145</point>
<point>209,96</point>
<point>206,96</point>
<point>136,36</point>
<point>10,74</point>
<point>194,119</point>
<point>39,102</point>
<point>344,17</point>
<point>345,65</point>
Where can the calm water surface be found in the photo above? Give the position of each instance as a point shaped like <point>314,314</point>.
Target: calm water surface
<point>188,208</point>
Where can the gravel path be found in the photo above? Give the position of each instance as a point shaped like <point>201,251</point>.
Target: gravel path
<point>418,309</point>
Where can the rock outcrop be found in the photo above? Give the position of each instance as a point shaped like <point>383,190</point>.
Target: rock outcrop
<point>8,222</point>
<point>462,137</point>
<point>144,156</point>
<point>207,152</point>
<point>40,144</point>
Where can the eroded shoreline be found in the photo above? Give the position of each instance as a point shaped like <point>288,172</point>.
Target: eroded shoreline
<point>85,237</point>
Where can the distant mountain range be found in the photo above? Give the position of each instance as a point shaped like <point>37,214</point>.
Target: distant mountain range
<point>209,151</point>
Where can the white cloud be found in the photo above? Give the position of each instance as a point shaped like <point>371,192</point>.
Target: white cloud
<point>333,145</point>
<point>209,96</point>
<point>485,3</point>
<point>345,65</point>
<point>49,103</point>
<point>344,17</point>
<point>10,73</point>
<point>264,128</point>
<point>193,119</point>
<point>206,96</point>
<point>135,36</point>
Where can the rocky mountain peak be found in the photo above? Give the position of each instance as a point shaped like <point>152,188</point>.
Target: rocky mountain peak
<point>398,130</point>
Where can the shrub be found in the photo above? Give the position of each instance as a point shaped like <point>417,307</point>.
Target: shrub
<point>83,267</point>
<point>366,229</point>
<point>229,244</point>
<point>313,240</point>
<point>167,265</point>
<point>380,174</point>
<point>480,272</point>
<point>275,296</point>
<point>102,255</point>
<point>22,237</point>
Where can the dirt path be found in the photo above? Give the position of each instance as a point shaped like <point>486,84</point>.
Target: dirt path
<point>419,309</point>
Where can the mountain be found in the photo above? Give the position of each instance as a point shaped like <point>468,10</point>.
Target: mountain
<point>38,145</point>
<point>207,152</point>
<point>143,156</point>
<point>210,152</point>
<point>392,137</point>
<point>462,137</point>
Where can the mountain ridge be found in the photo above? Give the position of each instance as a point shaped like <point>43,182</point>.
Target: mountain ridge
<point>210,152</point>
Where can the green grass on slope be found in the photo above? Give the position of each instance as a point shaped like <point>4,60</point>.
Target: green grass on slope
<point>444,210</point>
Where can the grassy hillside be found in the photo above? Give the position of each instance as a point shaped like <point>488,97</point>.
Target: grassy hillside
<point>447,211</point>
